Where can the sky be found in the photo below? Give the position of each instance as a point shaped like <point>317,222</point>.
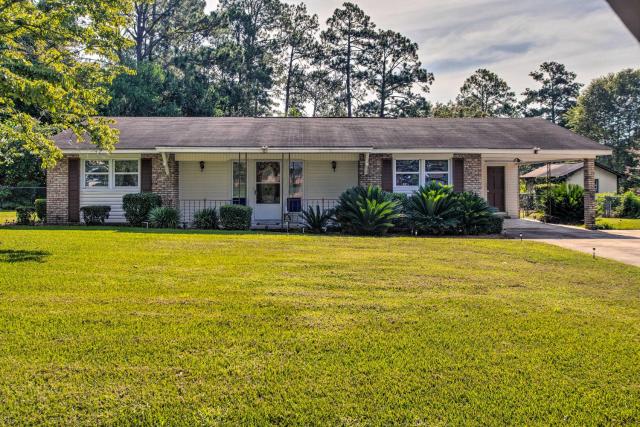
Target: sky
<point>509,37</point>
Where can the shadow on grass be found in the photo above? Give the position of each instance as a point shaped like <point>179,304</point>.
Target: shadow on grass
<point>11,256</point>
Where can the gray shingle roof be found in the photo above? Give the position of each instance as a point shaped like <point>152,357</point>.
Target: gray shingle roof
<point>485,133</point>
<point>559,170</point>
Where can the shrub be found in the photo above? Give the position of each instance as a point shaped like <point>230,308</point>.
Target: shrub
<point>95,215</point>
<point>235,217</point>
<point>563,203</point>
<point>138,205</point>
<point>41,209</point>
<point>403,222</point>
<point>164,217</point>
<point>24,215</point>
<point>205,219</point>
<point>476,216</point>
<point>629,206</point>
<point>315,219</point>
<point>434,209</point>
<point>366,211</point>
<point>605,201</point>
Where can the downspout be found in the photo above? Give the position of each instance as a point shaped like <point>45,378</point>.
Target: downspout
<point>366,163</point>
<point>165,163</point>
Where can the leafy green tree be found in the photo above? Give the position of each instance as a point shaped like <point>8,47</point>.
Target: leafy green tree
<point>394,70</point>
<point>348,42</point>
<point>557,94</point>
<point>322,90</point>
<point>485,94</point>
<point>298,30</point>
<point>56,61</point>
<point>18,165</point>
<point>608,111</point>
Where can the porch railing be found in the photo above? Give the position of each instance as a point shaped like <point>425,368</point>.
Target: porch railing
<point>189,207</point>
<point>324,204</point>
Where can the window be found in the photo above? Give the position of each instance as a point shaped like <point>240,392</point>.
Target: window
<point>296,179</point>
<point>407,173</point>
<point>436,170</point>
<point>100,174</point>
<point>96,173</point>
<point>410,174</point>
<point>126,173</point>
<point>239,183</point>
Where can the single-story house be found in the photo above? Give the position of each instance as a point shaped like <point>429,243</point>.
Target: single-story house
<point>279,166</point>
<point>606,179</point>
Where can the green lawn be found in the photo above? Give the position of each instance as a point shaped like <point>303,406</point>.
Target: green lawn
<point>620,223</point>
<point>7,216</point>
<point>132,327</point>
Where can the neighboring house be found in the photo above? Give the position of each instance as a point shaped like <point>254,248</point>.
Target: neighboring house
<point>281,165</point>
<point>606,179</point>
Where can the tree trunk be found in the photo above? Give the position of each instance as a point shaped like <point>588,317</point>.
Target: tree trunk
<point>288,88</point>
<point>383,87</point>
<point>349,113</point>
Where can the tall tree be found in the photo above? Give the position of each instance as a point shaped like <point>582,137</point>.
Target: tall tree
<point>557,94</point>
<point>298,31</point>
<point>608,111</point>
<point>348,41</point>
<point>322,90</point>
<point>159,26</point>
<point>485,94</point>
<point>253,28</point>
<point>394,70</point>
<point>57,59</point>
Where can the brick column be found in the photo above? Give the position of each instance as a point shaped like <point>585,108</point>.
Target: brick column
<point>58,192</point>
<point>165,185</point>
<point>374,177</point>
<point>472,172</point>
<point>589,194</point>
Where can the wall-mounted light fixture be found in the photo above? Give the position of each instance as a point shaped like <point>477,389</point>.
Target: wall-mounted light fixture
<point>201,165</point>
<point>516,160</point>
<point>334,165</point>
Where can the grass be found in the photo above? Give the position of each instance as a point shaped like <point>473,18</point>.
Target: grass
<point>112,326</point>
<point>620,223</point>
<point>7,216</point>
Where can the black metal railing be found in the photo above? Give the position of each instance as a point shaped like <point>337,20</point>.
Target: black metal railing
<point>189,207</point>
<point>323,204</point>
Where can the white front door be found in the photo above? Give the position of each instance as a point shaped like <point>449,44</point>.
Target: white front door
<point>267,192</point>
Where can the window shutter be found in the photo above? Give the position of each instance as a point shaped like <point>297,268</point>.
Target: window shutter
<point>458,175</point>
<point>74,190</point>
<point>387,175</point>
<point>145,176</point>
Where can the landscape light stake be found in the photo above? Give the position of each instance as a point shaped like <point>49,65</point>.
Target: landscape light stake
<point>521,237</point>
<point>594,253</point>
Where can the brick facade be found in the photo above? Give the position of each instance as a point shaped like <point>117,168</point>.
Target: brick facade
<point>58,192</point>
<point>589,194</point>
<point>374,175</point>
<point>472,172</point>
<point>166,186</point>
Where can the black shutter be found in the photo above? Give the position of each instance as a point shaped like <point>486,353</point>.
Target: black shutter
<point>458,175</point>
<point>387,175</point>
<point>145,176</point>
<point>74,190</point>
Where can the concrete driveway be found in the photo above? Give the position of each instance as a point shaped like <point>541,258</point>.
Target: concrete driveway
<point>623,246</point>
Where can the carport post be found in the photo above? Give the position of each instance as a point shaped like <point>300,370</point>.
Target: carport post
<point>589,194</point>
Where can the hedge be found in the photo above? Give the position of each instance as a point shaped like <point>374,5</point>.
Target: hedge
<point>235,217</point>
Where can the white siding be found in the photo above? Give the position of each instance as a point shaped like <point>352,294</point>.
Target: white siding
<point>608,181</point>
<point>211,183</point>
<point>111,198</point>
<point>320,181</point>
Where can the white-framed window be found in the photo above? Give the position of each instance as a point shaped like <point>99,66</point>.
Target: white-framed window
<point>407,173</point>
<point>111,174</point>
<point>96,173</point>
<point>436,170</point>
<point>411,173</point>
<point>126,173</point>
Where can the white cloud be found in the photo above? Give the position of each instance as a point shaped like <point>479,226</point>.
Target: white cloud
<point>509,37</point>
